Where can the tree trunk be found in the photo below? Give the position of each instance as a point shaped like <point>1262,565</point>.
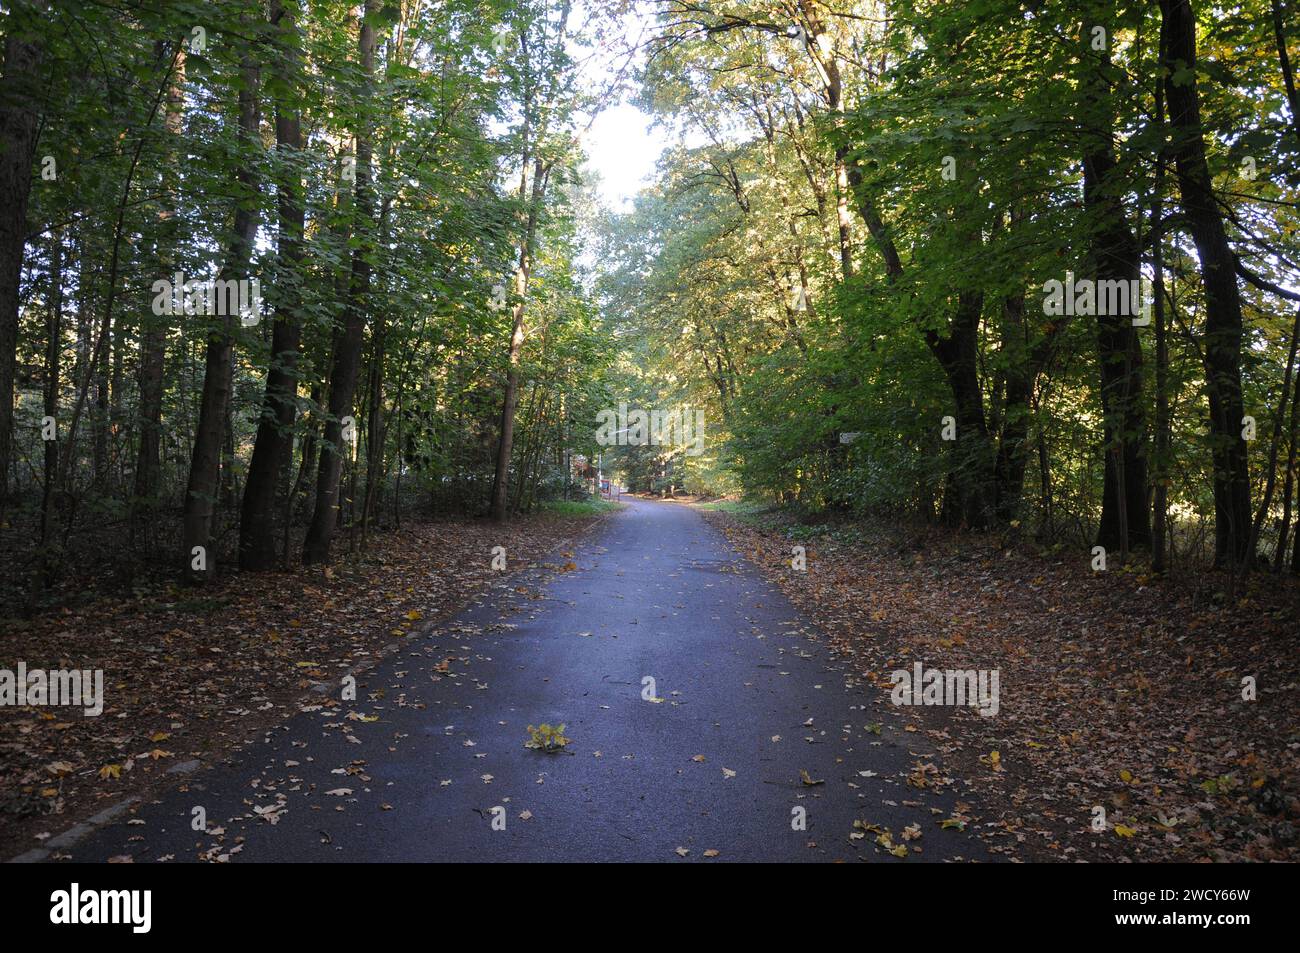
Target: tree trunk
<point>199,557</point>
<point>1013,442</point>
<point>1164,431</point>
<point>19,105</point>
<point>971,479</point>
<point>1223,321</point>
<point>1270,478</point>
<point>153,338</point>
<point>273,447</point>
<point>54,333</point>
<point>1113,255</point>
<point>1289,483</point>
<point>347,353</point>
<point>376,428</point>
<point>99,443</point>
<point>501,478</point>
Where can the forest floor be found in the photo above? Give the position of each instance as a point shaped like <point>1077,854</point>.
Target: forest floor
<point>1117,690</point>
<point>178,662</point>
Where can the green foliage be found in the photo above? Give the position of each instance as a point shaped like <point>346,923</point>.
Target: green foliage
<point>960,128</point>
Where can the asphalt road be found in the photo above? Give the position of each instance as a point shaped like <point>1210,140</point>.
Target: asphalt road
<point>414,768</point>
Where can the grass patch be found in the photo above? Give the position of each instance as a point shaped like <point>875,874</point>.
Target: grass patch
<point>750,512</point>
<point>581,507</point>
<point>734,507</point>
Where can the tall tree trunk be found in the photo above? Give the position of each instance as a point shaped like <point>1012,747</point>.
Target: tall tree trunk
<point>1223,320</point>
<point>1113,256</point>
<point>347,352</point>
<point>199,556</point>
<point>273,446</point>
<point>90,356</point>
<point>1289,483</point>
<point>153,338</point>
<point>971,479</point>
<point>19,108</point>
<point>53,342</point>
<point>523,270</point>
<point>1270,478</point>
<point>1164,435</point>
<point>376,428</point>
<point>1295,547</point>
<point>501,477</point>
<point>99,443</point>
<point>1284,60</point>
<point>1023,367</point>
<point>1288,80</point>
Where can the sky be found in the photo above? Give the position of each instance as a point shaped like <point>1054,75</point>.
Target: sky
<point>621,146</point>
<point>622,149</point>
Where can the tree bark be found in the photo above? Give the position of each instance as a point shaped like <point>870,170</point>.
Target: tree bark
<point>153,338</point>
<point>1163,423</point>
<point>1114,256</point>
<point>273,446</point>
<point>19,108</point>
<point>1270,479</point>
<point>971,478</point>
<point>523,271</point>
<point>53,341</point>
<point>1223,319</point>
<point>347,353</point>
<point>1024,364</point>
<point>201,493</point>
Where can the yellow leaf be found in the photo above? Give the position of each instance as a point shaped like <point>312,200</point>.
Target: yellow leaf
<point>1126,776</point>
<point>110,771</point>
<point>1123,831</point>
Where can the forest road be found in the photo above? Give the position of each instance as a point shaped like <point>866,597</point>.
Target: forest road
<point>708,757</point>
